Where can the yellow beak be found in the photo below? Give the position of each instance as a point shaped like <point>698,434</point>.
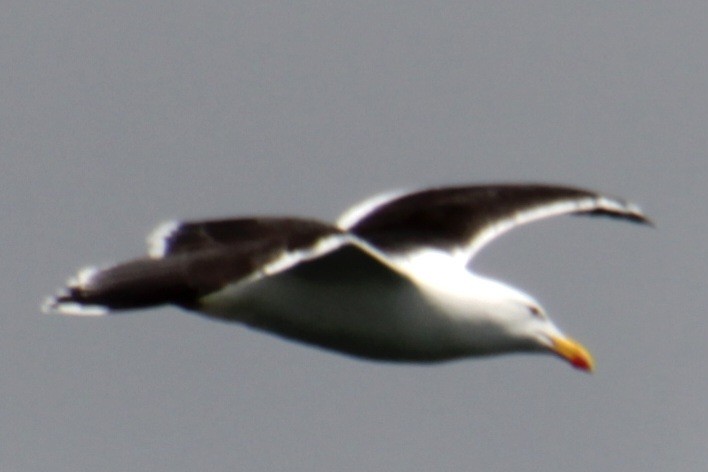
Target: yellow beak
<point>574,352</point>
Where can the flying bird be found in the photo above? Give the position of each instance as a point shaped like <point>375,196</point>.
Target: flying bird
<point>390,281</point>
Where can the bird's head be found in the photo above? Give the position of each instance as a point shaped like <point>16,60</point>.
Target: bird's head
<point>519,323</point>
<point>540,330</point>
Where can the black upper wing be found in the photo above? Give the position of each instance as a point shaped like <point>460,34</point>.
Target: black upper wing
<point>246,233</point>
<point>190,260</point>
<point>462,219</point>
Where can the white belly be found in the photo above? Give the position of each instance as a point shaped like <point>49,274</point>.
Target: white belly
<point>373,319</point>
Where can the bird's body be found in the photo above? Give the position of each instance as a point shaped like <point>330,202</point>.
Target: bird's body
<point>389,281</point>
<point>380,315</point>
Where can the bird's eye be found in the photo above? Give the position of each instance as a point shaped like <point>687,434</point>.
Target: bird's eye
<point>535,311</point>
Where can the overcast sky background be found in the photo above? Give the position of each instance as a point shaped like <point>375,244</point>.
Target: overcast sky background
<point>115,116</point>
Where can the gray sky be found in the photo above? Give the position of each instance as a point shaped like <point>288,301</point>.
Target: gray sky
<point>115,116</point>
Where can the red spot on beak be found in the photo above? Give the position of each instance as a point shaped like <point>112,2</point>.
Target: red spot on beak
<point>573,352</point>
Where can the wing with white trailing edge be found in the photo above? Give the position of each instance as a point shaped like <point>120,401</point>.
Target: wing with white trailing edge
<point>461,220</point>
<point>189,260</point>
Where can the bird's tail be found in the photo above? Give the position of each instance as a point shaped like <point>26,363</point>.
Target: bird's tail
<point>136,284</point>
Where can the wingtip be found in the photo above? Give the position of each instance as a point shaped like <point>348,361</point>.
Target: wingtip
<point>636,214</point>
<point>61,304</point>
<point>645,220</point>
<point>67,301</point>
<point>622,209</point>
<point>49,305</point>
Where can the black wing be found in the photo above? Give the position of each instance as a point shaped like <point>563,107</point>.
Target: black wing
<point>461,220</point>
<point>190,260</point>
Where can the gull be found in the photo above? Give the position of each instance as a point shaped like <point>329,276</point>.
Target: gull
<point>389,281</point>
